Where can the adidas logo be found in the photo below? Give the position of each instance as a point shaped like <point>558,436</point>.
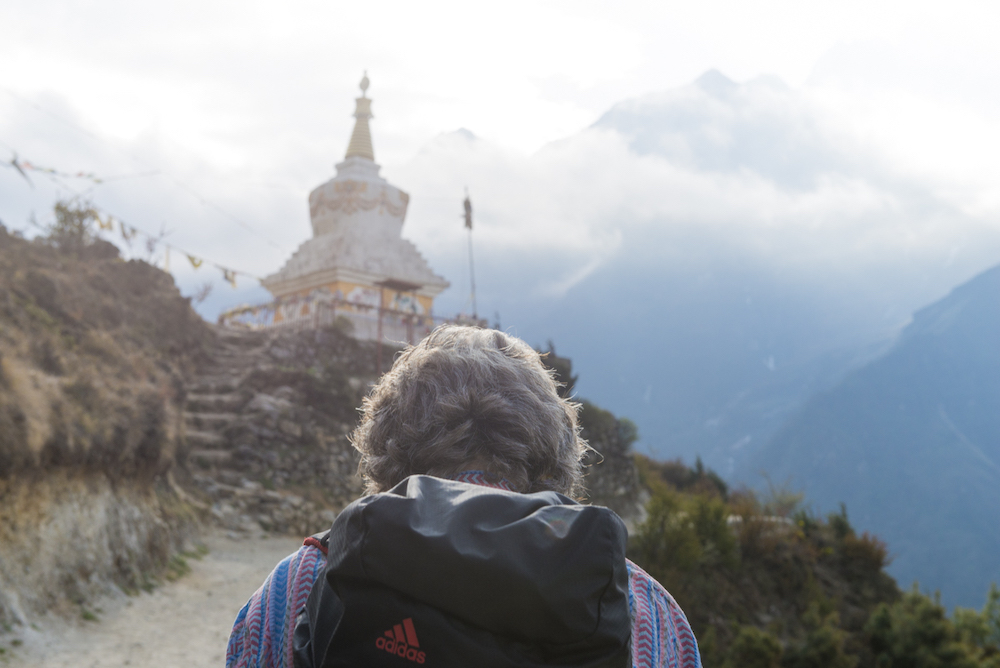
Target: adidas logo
<point>402,641</point>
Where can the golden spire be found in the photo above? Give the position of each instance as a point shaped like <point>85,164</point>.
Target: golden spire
<point>361,139</point>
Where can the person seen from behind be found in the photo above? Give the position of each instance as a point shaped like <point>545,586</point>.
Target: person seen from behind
<point>468,548</point>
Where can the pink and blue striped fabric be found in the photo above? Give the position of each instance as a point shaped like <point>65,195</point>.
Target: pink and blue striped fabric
<point>262,634</point>
<point>661,635</point>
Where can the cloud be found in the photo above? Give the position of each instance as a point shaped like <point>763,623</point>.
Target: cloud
<point>245,224</point>
<point>690,235</point>
<point>711,171</point>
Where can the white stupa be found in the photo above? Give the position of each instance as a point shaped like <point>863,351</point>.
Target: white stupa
<point>357,256</point>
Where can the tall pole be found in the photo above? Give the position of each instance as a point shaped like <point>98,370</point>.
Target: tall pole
<point>472,277</point>
<point>472,268</point>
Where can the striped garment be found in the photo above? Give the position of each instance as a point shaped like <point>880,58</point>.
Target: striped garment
<point>262,634</point>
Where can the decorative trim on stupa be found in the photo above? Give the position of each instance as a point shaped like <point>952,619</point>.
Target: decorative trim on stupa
<point>360,145</point>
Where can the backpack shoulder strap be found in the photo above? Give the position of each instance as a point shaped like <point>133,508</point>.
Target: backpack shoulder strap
<point>321,541</point>
<point>310,639</point>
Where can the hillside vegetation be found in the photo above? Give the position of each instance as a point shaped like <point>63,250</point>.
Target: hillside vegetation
<point>93,351</point>
<point>766,583</point>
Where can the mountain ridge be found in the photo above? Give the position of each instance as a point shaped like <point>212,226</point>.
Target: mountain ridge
<point>911,442</point>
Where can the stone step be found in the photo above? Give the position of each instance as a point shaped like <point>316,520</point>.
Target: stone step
<point>245,351</point>
<point>209,421</point>
<point>221,384</point>
<point>251,340</point>
<point>217,381</point>
<point>213,402</point>
<point>241,338</point>
<point>232,368</point>
<point>203,439</point>
<point>238,333</point>
<point>213,373</point>
<point>240,363</point>
<point>238,354</point>
<point>209,457</point>
<point>225,378</point>
<point>236,357</point>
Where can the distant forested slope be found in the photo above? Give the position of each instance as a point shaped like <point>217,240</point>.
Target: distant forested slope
<point>911,443</point>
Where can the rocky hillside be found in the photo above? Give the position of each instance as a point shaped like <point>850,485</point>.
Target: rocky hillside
<point>267,420</point>
<point>93,356</point>
<point>127,422</point>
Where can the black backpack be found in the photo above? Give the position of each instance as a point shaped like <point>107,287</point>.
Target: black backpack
<point>443,573</point>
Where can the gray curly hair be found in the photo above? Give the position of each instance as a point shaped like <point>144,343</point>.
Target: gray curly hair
<point>469,398</point>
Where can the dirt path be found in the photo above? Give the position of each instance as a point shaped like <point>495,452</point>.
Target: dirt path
<point>184,624</point>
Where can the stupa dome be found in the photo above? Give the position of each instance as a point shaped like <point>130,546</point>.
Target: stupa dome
<point>357,222</point>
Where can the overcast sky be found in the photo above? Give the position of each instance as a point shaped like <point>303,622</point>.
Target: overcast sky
<point>220,117</point>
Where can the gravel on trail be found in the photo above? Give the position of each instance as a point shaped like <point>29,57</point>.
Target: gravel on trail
<point>185,623</point>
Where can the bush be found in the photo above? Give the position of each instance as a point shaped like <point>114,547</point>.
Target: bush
<point>762,580</point>
<point>667,541</point>
<point>678,476</point>
<point>760,534</point>
<point>838,522</point>
<point>914,633</point>
<point>753,648</point>
<point>981,630</point>
<point>823,646</point>
<point>72,230</point>
<point>868,553</point>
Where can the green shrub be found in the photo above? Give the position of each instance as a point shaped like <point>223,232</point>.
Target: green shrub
<point>823,646</point>
<point>981,629</point>
<point>667,540</point>
<point>915,633</point>
<point>72,230</point>
<point>753,648</point>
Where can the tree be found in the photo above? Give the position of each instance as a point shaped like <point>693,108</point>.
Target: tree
<point>981,629</point>
<point>753,648</point>
<point>823,646</point>
<point>562,368</point>
<point>73,228</point>
<point>915,633</point>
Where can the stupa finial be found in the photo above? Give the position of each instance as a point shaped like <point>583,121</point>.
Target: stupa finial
<point>361,139</point>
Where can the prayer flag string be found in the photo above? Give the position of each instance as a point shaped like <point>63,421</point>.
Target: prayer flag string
<point>24,166</point>
<point>106,222</point>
